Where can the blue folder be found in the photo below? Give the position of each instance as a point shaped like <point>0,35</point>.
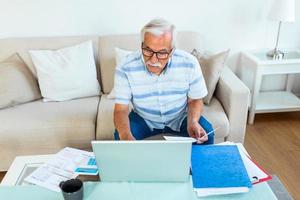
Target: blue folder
<point>218,166</point>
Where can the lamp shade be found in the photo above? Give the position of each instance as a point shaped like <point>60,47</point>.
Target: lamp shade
<point>283,10</point>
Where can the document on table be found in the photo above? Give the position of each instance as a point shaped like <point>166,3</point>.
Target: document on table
<point>179,138</point>
<point>255,172</point>
<point>60,168</point>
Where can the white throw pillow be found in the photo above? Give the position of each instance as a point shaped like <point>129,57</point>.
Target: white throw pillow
<point>67,73</point>
<point>120,55</point>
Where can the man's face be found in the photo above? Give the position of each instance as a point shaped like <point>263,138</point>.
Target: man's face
<point>161,46</point>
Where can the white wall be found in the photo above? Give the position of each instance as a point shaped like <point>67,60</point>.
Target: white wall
<point>234,24</point>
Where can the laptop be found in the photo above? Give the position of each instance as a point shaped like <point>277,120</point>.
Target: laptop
<point>143,160</point>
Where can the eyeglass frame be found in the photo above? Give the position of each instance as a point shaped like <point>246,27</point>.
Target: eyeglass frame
<point>156,52</point>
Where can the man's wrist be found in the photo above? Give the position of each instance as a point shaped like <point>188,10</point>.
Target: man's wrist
<point>125,136</point>
<point>193,121</point>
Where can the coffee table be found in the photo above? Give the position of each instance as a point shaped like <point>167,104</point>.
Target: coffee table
<point>24,165</point>
<point>21,167</point>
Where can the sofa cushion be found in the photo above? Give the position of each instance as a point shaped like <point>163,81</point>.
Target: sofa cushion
<point>212,67</point>
<point>66,73</point>
<point>121,54</point>
<point>42,128</point>
<point>17,83</point>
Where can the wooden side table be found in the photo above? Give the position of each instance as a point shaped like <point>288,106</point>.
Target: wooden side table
<point>255,65</point>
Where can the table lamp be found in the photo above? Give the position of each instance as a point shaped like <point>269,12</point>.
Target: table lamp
<point>282,11</point>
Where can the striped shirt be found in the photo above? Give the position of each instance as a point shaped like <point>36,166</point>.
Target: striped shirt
<point>161,100</point>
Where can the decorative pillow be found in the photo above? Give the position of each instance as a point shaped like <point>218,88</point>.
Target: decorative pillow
<point>67,73</point>
<point>121,54</point>
<point>212,67</point>
<point>17,83</point>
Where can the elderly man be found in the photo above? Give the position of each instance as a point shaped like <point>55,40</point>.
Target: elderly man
<point>165,86</point>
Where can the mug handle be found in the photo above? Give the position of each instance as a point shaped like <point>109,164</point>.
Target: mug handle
<point>61,183</point>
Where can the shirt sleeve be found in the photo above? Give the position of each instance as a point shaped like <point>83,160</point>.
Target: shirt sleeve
<point>122,88</point>
<point>197,86</point>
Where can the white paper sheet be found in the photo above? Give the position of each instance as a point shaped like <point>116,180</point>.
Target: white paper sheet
<point>178,138</point>
<point>60,168</point>
<point>254,172</point>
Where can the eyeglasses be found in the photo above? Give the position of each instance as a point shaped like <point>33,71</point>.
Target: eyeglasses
<point>161,55</point>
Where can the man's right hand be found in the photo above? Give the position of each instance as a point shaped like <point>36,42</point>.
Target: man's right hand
<point>121,121</point>
<point>127,136</point>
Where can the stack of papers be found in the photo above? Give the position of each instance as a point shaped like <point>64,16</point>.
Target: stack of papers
<point>66,164</point>
<point>255,172</point>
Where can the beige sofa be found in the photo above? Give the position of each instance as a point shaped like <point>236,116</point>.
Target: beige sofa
<point>42,128</point>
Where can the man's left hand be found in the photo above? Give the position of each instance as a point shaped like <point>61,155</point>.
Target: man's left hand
<point>196,131</point>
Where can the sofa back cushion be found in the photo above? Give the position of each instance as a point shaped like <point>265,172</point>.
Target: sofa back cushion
<point>22,46</point>
<point>185,40</point>
<point>17,83</point>
<point>67,73</point>
<point>212,67</point>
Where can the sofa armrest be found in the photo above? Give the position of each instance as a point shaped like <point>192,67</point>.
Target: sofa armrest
<point>233,94</point>
<point>105,119</point>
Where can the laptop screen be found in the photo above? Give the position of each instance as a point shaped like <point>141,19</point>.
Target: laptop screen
<point>143,160</point>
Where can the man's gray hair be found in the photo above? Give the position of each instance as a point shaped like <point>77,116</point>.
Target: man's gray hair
<point>158,27</point>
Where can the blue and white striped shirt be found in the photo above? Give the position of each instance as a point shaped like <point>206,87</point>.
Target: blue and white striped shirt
<point>161,100</point>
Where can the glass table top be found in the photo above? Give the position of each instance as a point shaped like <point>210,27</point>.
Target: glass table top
<point>26,171</point>
<point>29,168</point>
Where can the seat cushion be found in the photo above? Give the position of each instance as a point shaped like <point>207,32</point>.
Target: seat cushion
<point>43,128</point>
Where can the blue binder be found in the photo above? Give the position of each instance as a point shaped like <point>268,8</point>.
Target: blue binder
<point>218,166</point>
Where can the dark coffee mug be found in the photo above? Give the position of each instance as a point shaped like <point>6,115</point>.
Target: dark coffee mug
<point>72,189</point>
